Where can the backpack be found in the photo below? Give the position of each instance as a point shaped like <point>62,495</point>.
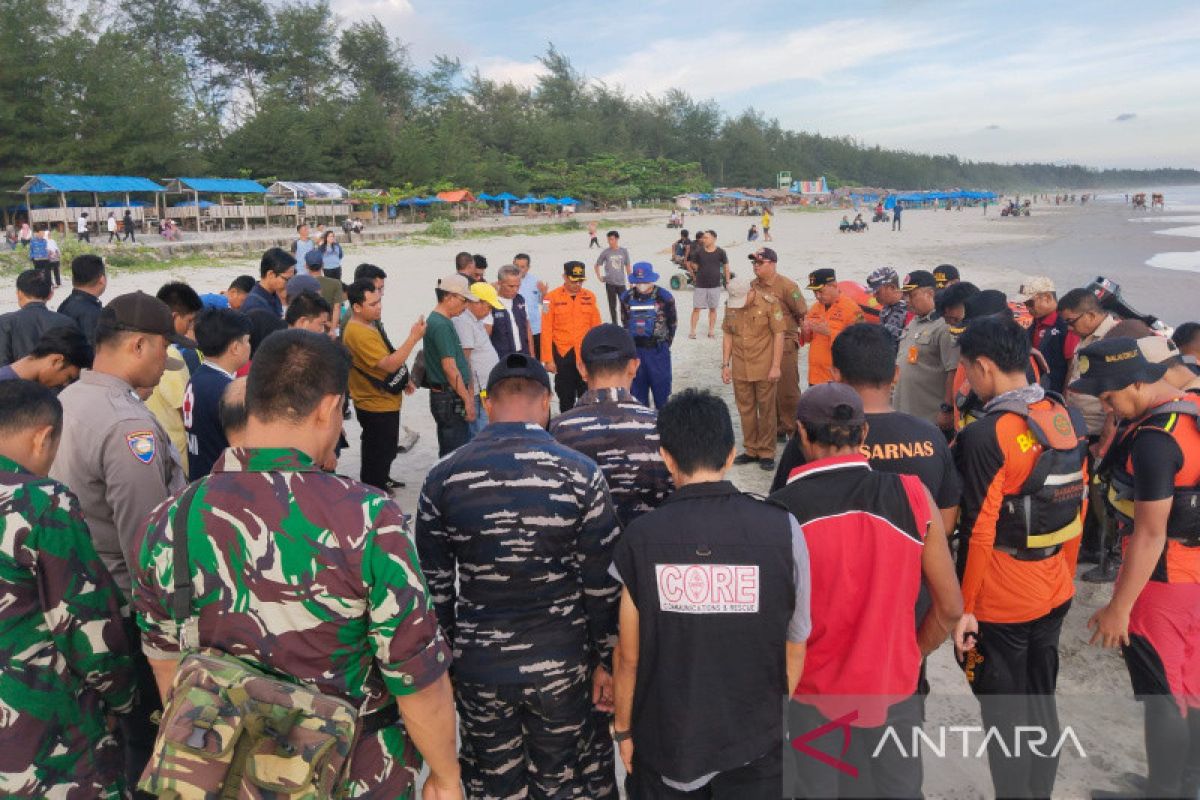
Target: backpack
<point>231,730</point>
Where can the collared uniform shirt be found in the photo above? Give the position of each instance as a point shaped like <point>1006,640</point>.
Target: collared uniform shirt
<point>533,301</point>
<point>116,458</point>
<point>567,321</point>
<point>84,308</point>
<point>927,353</point>
<point>307,574</point>
<point>791,300</point>
<point>839,315</point>
<point>752,329</point>
<point>1093,412</point>
<point>620,435</point>
<point>516,533</point>
<point>66,659</point>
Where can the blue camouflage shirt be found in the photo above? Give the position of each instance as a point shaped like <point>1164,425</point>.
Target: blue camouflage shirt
<point>515,534</point>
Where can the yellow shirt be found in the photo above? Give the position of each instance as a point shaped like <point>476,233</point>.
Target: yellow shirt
<point>167,405</point>
<point>367,349</point>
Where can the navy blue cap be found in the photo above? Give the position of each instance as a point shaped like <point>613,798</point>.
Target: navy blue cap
<point>518,365</point>
<point>607,342</point>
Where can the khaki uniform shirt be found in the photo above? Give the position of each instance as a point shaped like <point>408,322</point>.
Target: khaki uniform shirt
<point>117,459</point>
<point>752,330</point>
<point>927,353</point>
<point>791,300</point>
<point>1089,406</point>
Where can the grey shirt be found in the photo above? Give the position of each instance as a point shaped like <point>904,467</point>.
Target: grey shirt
<point>616,265</point>
<point>927,353</point>
<point>118,461</point>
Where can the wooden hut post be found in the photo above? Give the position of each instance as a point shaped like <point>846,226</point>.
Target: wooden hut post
<point>196,200</point>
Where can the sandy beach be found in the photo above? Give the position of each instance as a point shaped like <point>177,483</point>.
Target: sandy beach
<point>1070,244</point>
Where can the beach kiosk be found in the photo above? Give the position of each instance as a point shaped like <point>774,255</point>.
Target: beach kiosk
<point>66,213</point>
<point>204,210</point>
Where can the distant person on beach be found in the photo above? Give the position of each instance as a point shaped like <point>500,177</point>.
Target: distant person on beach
<point>81,228</point>
<point>534,291</point>
<point>1187,339</point>
<point>709,266</point>
<point>331,254</point>
<point>896,216</point>
<point>612,267</point>
<point>752,234</point>
<point>302,244</point>
<point>127,227</point>
<point>592,240</point>
<point>766,224</point>
<point>110,225</point>
<point>679,250</point>
<point>25,236</point>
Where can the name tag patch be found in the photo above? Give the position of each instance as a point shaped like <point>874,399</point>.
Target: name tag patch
<point>708,588</point>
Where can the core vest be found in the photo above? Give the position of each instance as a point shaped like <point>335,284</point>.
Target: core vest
<point>712,573</point>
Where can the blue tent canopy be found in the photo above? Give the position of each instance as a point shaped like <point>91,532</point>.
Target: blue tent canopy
<point>216,185</point>
<point>194,204</point>
<point>528,200</point>
<point>132,204</point>
<point>47,183</point>
<point>568,201</point>
<point>433,198</point>
<point>505,196</point>
<point>484,196</point>
<point>549,200</point>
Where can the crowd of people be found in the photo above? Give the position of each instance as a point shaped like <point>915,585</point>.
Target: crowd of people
<point>587,585</point>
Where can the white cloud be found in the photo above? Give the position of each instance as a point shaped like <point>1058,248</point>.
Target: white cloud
<point>728,62</point>
<point>502,70</point>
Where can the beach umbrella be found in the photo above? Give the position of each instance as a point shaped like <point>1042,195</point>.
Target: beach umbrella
<point>484,196</point>
<point>528,200</point>
<point>568,201</point>
<point>549,200</point>
<point>505,196</point>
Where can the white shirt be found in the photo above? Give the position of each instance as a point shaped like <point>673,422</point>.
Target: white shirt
<point>474,337</point>
<point>112,223</point>
<point>81,224</point>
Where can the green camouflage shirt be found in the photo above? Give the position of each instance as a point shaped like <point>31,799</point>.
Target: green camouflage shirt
<point>62,646</point>
<point>309,575</point>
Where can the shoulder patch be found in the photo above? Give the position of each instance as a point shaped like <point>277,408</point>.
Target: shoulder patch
<point>796,294</point>
<point>143,446</point>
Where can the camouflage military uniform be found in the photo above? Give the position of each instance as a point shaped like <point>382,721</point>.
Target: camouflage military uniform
<point>65,656</point>
<point>326,589</point>
<point>527,527</point>
<point>619,434</point>
<point>611,427</point>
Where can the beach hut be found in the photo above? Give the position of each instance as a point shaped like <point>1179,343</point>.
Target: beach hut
<point>219,187</point>
<point>94,185</point>
<point>462,198</point>
<point>312,198</point>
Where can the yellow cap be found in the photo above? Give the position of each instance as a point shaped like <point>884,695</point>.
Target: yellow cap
<point>487,293</point>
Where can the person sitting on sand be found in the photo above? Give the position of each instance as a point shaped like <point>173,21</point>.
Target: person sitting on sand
<point>752,234</point>
<point>859,224</point>
<point>844,225</point>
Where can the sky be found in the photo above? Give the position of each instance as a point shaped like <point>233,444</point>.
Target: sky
<point>1100,83</point>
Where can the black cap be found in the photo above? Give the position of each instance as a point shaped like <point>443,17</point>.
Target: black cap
<point>764,254</point>
<point>821,277</point>
<point>944,273</point>
<point>1112,364</point>
<point>607,342</point>
<point>831,403</point>
<point>575,270</point>
<point>987,303</point>
<point>138,311</point>
<point>518,365</point>
<point>918,279</point>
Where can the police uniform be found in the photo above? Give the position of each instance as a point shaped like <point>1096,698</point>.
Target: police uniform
<point>515,533</point>
<point>752,329</point>
<point>791,302</point>
<point>309,575</point>
<point>66,657</point>
<point>116,458</point>
<point>838,315</point>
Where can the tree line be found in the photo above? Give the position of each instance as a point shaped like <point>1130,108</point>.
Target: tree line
<point>254,88</point>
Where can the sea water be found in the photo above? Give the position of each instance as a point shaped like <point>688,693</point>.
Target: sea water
<point>1183,215</point>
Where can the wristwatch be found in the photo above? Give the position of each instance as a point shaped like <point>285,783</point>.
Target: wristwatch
<point>619,736</point>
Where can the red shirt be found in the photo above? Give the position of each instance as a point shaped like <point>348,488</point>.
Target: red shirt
<point>865,532</point>
<point>1041,326</point>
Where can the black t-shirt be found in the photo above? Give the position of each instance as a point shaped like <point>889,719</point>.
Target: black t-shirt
<point>1155,457</point>
<point>708,267</point>
<point>898,443</point>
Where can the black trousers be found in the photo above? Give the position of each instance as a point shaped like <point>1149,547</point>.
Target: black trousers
<point>1015,683</point>
<point>889,774</point>
<point>113,235</point>
<point>129,235</point>
<point>85,236</point>
<point>136,730</point>
<point>569,385</point>
<point>380,435</point>
<point>758,780</point>
<point>44,265</point>
<point>614,301</point>
<point>452,428</point>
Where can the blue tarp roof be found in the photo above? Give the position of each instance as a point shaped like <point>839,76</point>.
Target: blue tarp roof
<point>568,201</point>
<point>46,182</point>
<point>484,196</point>
<point>505,196</point>
<point>221,185</point>
<point>192,204</point>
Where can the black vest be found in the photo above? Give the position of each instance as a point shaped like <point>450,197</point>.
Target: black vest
<point>711,676</point>
<point>502,325</point>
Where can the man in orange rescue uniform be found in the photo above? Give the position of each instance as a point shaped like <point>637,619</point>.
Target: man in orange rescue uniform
<point>830,315</point>
<point>1023,465</point>
<point>571,312</point>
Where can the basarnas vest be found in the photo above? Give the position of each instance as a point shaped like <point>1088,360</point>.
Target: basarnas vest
<point>1047,512</point>
<point>646,325</point>
<point>713,578</point>
<point>1179,418</point>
